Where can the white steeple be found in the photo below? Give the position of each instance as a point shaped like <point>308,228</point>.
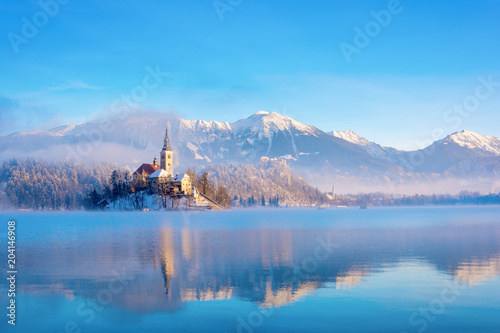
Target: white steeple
<point>167,155</point>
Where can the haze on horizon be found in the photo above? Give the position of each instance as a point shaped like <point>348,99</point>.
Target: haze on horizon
<point>417,66</point>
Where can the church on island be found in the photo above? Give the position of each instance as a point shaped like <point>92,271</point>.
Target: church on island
<point>173,191</point>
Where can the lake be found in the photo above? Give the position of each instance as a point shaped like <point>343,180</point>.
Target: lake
<point>278,270</point>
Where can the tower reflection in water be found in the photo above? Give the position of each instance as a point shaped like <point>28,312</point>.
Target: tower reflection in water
<point>170,266</point>
<point>275,267</point>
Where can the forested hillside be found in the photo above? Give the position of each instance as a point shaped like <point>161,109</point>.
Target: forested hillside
<point>46,185</point>
<point>50,185</point>
<point>271,182</point>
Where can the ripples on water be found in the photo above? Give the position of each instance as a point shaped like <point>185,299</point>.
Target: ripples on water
<point>408,269</point>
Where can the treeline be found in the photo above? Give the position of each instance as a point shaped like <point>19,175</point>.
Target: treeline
<point>40,184</point>
<point>121,188</point>
<point>50,185</point>
<point>269,184</point>
<point>31,184</point>
<point>45,185</point>
<point>382,199</point>
<point>206,186</point>
<point>114,188</point>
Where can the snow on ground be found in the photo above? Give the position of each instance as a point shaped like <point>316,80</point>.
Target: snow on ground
<point>147,201</point>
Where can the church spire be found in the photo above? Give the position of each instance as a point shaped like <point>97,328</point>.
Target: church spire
<point>167,156</point>
<point>166,144</point>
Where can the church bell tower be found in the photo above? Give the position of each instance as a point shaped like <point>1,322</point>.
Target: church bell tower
<point>167,155</point>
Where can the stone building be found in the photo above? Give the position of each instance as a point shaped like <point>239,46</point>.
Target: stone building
<point>160,176</point>
<point>142,174</point>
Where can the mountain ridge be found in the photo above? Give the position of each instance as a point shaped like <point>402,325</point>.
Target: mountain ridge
<point>323,158</point>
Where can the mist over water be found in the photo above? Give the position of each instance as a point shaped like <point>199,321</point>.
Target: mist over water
<point>387,269</point>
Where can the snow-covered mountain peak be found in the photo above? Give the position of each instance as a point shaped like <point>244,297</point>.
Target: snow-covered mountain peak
<point>472,140</point>
<point>261,113</point>
<point>350,136</point>
<point>61,130</point>
<point>266,123</point>
<point>203,124</point>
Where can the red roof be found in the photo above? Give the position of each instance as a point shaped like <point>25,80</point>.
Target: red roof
<point>146,169</point>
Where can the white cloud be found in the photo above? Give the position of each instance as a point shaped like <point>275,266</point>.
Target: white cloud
<point>74,85</point>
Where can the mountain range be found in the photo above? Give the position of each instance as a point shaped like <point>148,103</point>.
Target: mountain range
<point>461,161</point>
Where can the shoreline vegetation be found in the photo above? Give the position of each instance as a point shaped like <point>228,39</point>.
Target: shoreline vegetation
<point>41,185</point>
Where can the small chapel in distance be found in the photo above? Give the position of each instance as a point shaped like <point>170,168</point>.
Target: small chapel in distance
<point>161,176</point>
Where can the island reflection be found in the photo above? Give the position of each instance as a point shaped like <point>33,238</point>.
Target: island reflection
<point>166,268</point>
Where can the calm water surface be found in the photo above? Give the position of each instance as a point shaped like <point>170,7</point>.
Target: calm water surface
<point>332,270</point>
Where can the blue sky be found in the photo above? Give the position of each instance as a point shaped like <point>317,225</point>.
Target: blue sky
<point>282,56</point>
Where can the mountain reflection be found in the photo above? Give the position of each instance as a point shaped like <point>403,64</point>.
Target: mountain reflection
<point>351,279</point>
<point>270,267</point>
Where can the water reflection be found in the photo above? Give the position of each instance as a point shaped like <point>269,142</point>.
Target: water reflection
<point>351,278</point>
<point>476,271</point>
<point>168,267</point>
